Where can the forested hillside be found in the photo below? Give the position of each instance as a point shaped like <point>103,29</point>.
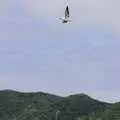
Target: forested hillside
<point>43,106</point>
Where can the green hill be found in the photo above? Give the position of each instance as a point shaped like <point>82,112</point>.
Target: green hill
<point>43,106</point>
<point>78,105</point>
<point>113,112</point>
<point>17,105</point>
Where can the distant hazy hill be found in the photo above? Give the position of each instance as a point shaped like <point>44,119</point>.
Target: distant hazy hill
<point>43,106</point>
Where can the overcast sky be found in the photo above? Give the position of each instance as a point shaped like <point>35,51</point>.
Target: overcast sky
<point>38,53</point>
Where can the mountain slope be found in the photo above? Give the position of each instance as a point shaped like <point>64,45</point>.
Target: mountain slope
<point>113,112</point>
<point>13,103</point>
<point>79,105</point>
<point>39,105</point>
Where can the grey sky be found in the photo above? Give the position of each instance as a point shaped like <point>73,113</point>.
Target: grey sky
<point>37,52</point>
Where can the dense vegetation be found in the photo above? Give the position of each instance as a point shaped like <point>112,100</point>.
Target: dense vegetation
<point>43,106</point>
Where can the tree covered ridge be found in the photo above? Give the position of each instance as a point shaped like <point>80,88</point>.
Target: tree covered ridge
<point>43,106</point>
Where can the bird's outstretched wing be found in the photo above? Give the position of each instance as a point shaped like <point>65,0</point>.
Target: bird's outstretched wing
<point>67,14</point>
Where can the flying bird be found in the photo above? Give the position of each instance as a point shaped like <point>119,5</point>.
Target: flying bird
<point>67,16</point>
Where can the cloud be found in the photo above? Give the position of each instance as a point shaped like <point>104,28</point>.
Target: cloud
<point>39,82</point>
<point>83,12</point>
<point>105,95</point>
<point>5,80</point>
<point>29,20</point>
<point>63,67</point>
<point>3,8</point>
<point>35,48</point>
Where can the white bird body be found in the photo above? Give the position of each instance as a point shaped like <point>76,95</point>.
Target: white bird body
<point>67,15</point>
<point>64,20</point>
